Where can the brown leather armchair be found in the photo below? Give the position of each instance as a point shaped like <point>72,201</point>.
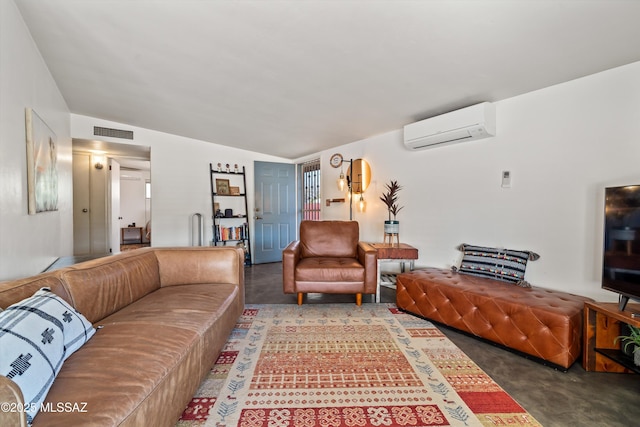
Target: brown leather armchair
<point>329,258</point>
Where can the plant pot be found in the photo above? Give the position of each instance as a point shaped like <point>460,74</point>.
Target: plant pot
<point>636,358</point>
<point>391,227</point>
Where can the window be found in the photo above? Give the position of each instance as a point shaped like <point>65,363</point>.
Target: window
<point>311,190</point>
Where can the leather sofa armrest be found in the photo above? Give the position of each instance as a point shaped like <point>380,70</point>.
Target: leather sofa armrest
<point>368,256</point>
<point>290,258</point>
<point>11,400</point>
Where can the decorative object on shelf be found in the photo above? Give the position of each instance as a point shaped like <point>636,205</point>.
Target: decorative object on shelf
<point>235,168</point>
<point>390,199</point>
<point>234,191</point>
<point>633,340</point>
<point>228,213</point>
<point>222,187</point>
<point>227,167</point>
<point>241,244</point>
<point>219,167</point>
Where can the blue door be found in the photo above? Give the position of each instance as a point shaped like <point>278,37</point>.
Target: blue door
<point>275,210</point>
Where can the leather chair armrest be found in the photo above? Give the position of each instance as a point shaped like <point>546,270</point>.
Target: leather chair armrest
<point>368,256</point>
<point>290,257</point>
<point>11,397</point>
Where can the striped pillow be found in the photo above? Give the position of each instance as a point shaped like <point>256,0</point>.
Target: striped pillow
<point>507,265</point>
<point>36,335</point>
<point>31,350</point>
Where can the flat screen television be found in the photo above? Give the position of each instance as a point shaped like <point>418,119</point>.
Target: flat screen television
<point>621,254</point>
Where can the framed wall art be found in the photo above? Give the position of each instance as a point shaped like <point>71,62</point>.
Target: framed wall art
<point>222,187</point>
<point>42,164</point>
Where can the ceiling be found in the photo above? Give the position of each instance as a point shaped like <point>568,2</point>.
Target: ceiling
<point>291,78</point>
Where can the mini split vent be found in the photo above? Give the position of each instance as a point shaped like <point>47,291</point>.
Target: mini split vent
<point>113,133</point>
<point>466,124</point>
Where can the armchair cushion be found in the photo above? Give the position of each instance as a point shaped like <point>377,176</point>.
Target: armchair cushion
<point>329,269</point>
<point>329,239</point>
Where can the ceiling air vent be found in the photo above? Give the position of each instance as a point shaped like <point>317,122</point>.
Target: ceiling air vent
<point>113,133</point>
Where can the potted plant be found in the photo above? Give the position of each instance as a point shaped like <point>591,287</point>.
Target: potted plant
<point>632,339</point>
<point>390,199</point>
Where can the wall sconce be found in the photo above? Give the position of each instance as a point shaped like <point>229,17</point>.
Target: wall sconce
<point>357,168</point>
<point>98,161</point>
<point>341,180</point>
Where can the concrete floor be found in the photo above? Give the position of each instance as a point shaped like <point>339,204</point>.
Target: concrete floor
<point>556,399</point>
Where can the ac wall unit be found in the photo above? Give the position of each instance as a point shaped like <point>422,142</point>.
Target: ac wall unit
<point>467,124</point>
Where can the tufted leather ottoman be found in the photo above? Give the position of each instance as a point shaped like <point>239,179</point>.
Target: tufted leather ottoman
<point>541,323</point>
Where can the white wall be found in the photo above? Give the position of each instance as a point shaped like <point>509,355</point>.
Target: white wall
<point>562,144</point>
<point>180,184</point>
<point>29,243</point>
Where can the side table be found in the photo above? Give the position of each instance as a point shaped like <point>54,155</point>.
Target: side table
<point>601,352</point>
<point>399,252</point>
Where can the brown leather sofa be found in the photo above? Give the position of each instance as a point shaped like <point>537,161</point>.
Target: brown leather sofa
<point>329,258</point>
<point>163,316</point>
<point>540,323</point>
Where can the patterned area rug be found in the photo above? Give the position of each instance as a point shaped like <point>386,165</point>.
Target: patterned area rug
<point>341,365</point>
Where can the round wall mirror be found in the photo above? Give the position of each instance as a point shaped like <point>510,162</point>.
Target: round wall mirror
<point>361,175</point>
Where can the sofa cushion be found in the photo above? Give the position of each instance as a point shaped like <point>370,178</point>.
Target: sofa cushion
<point>119,369</point>
<point>193,307</point>
<point>101,287</point>
<point>507,265</point>
<point>32,346</point>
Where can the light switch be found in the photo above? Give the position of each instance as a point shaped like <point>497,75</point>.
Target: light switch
<point>506,179</point>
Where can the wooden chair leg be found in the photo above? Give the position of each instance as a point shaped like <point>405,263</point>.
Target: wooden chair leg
<point>300,296</point>
<point>358,299</point>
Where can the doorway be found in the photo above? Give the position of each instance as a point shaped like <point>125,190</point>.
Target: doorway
<point>100,209</point>
<point>275,210</point>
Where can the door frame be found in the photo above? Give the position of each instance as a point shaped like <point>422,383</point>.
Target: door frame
<point>101,234</point>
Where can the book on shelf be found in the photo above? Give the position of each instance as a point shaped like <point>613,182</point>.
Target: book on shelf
<point>232,233</point>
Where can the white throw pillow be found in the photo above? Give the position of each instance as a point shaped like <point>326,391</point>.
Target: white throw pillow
<point>76,328</point>
<point>34,334</point>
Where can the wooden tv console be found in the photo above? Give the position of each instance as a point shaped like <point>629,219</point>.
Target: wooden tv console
<point>601,351</point>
